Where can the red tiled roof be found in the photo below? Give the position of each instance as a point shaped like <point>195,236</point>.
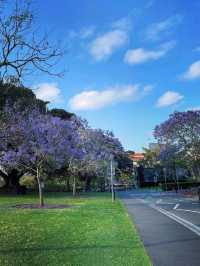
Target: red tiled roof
<point>137,156</point>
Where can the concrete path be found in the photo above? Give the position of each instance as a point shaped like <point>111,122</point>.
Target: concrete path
<point>169,226</point>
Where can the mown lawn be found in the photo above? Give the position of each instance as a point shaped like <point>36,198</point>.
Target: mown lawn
<point>93,232</point>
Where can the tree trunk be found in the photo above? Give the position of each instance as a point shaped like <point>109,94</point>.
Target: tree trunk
<point>198,172</point>
<point>88,183</point>
<point>176,177</point>
<point>40,189</point>
<point>67,185</point>
<point>74,187</point>
<point>191,171</point>
<point>192,168</point>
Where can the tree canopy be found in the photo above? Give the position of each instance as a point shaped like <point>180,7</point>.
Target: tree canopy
<point>180,135</point>
<point>45,142</point>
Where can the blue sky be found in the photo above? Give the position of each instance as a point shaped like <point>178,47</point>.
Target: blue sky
<point>129,63</point>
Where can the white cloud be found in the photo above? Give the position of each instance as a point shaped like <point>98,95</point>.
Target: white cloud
<point>193,71</point>
<point>156,30</point>
<point>93,99</point>
<point>124,24</point>
<point>147,89</point>
<point>140,55</point>
<point>47,92</point>
<point>169,98</point>
<point>104,45</point>
<point>197,49</point>
<point>83,33</point>
<point>87,32</point>
<point>107,43</point>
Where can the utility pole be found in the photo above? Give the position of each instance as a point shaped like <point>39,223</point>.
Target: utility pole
<point>111,180</point>
<point>164,169</point>
<point>176,176</point>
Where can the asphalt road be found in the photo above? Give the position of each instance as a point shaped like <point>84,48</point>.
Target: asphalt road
<point>169,225</point>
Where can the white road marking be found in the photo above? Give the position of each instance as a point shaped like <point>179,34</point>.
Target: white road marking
<point>176,206</point>
<point>158,201</point>
<point>195,229</point>
<point>187,210</point>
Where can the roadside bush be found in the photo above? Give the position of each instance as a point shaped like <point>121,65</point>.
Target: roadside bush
<point>28,180</point>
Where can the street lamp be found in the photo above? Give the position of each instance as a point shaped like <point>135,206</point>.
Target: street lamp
<point>176,176</point>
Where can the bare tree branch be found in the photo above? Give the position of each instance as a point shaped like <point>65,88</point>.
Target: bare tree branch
<point>21,52</point>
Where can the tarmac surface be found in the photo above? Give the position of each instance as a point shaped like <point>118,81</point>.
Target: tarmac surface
<point>169,225</point>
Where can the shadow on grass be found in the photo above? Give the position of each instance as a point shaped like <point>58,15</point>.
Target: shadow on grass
<point>65,248</point>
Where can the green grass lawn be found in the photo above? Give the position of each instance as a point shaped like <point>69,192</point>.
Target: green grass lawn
<point>93,232</point>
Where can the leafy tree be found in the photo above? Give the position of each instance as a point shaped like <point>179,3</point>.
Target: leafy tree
<point>124,169</point>
<point>19,95</point>
<point>37,142</point>
<point>151,157</point>
<point>181,132</point>
<point>125,164</point>
<point>98,147</point>
<point>61,113</point>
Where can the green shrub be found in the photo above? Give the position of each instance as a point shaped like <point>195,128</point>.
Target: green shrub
<point>28,180</point>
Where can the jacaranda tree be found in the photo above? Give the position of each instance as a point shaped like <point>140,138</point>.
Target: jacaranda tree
<point>45,144</point>
<point>181,132</point>
<point>97,146</point>
<point>38,143</point>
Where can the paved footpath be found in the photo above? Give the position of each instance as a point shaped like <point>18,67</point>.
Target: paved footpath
<point>169,226</point>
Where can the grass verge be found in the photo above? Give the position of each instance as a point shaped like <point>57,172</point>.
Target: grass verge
<point>93,232</point>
